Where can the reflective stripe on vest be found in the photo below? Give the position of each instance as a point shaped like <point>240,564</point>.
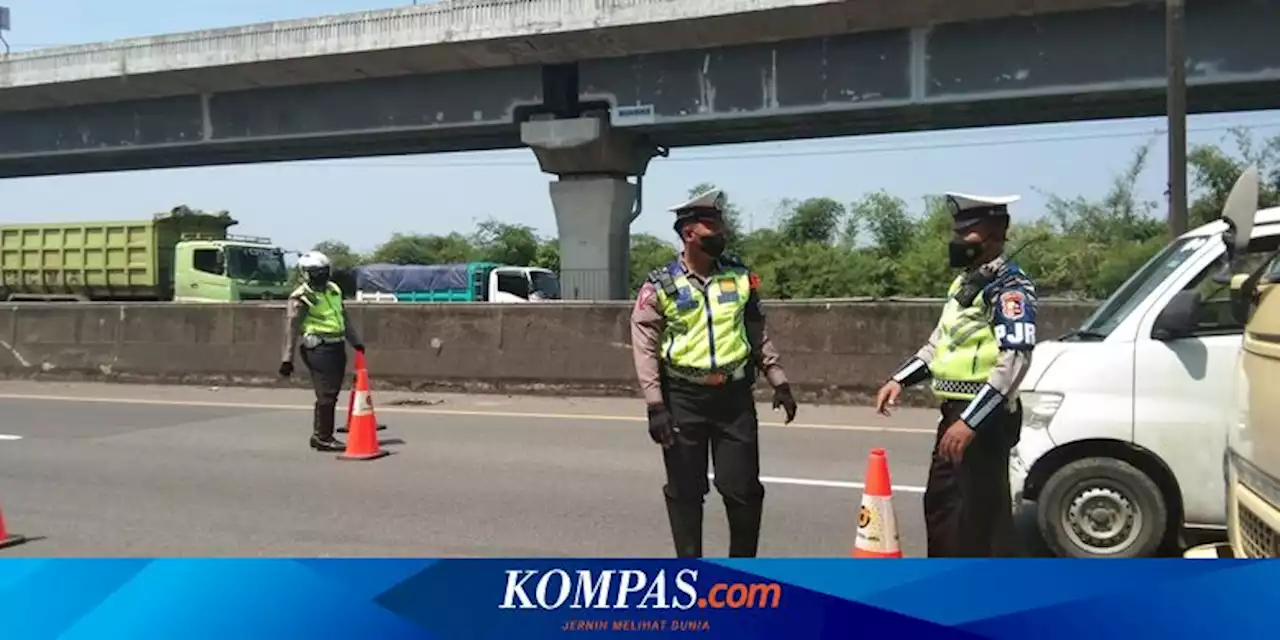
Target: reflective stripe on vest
<point>967,351</point>
<point>324,311</point>
<point>706,332</point>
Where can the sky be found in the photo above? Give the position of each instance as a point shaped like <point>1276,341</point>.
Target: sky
<point>362,202</point>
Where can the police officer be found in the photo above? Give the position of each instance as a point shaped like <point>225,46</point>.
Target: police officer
<point>315,312</point>
<point>698,334</point>
<point>976,357</point>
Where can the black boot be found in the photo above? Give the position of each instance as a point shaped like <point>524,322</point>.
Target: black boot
<point>744,529</point>
<point>322,436</point>
<point>686,528</point>
<point>331,444</point>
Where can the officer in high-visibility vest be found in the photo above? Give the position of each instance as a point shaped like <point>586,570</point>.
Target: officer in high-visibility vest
<point>698,335</point>
<point>315,312</point>
<point>976,358</point>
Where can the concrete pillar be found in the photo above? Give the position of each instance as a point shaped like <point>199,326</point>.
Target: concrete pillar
<point>593,215</point>
<point>593,199</point>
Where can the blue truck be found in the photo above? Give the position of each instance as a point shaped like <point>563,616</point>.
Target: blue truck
<point>461,282</point>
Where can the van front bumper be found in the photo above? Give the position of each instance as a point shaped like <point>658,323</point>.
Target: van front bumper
<point>1033,445</point>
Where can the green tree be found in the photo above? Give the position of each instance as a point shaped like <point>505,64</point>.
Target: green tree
<point>812,220</point>
<point>648,253</point>
<point>1213,172</point>
<point>548,255</point>
<point>405,248</point>
<point>504,243</point>
<point>1097,243</point>
<point>886,219</point>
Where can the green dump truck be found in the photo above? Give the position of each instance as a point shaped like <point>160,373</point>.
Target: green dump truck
<point>181,255</point>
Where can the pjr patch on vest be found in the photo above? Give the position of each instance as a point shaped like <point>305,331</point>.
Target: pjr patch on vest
<point>1013,305</point>
<point>728,286</point>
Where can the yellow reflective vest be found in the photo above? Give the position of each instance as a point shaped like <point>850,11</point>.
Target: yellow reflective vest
<point>704,330</point>
<point>324,310</point>
<point>967,351</point>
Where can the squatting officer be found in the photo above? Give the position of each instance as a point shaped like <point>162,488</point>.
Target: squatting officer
<point>698,334</point>
<point>976,357</point>
<point>315,312</point>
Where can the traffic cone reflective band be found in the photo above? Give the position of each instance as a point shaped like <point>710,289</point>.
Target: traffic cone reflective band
<point>362,440</point>
<point>8,539</point>
<point>877,521</point>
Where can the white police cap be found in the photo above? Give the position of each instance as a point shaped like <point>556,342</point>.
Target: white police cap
<point>713,199</point>
<point>968,209</point>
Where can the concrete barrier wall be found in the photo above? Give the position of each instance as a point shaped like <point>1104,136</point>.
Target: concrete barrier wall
<point>835,351</point>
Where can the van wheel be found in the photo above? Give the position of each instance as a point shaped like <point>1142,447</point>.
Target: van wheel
<point>1102,508</point>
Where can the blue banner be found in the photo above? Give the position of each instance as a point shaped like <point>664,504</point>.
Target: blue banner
<point>390,599</point>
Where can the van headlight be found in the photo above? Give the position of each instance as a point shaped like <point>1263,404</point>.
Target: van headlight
<point>1038,408</point>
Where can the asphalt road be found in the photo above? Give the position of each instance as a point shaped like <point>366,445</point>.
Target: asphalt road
<point>117,470</point>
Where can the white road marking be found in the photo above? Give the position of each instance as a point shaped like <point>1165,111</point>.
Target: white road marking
<point>833,484</point>
<point>5,436</point>
<point>443,412</point>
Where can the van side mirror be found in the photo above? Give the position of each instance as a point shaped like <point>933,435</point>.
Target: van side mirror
<point>221,261</point>
<point>1178,318</point>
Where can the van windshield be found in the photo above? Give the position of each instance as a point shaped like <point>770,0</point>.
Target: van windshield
<point>256,263</point>
<point>546,285</point>
<point>1136,289</point>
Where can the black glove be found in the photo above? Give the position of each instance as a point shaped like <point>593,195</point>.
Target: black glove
<point>286,368</point>
<point>782,398</point>
<point>662,426</point>
<point>358,347</point>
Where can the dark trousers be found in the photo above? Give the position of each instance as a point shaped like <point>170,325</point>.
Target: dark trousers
<point>328,366</point>
<point>968,511</point>
<point>721,421</point>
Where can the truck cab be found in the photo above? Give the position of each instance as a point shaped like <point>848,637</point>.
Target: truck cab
<point>229,269</point>
<point>522,284</point>
<point>1124,418</point>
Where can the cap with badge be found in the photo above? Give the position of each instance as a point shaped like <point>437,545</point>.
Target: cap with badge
<point>967,209</point>
<point>706,205</point>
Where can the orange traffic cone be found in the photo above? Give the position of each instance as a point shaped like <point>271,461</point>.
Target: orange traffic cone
<point>351,400</point>
<point>877,521</point>
<point>8,539</point>
<point>362,442</point>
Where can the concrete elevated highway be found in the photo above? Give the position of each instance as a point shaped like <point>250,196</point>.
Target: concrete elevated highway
<point>598,88</point>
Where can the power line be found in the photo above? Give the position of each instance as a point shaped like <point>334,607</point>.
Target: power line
<point>773,155</point>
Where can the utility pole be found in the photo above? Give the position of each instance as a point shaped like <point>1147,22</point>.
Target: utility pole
<point>1176,93</point>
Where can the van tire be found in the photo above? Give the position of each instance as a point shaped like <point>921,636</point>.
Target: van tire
<point>1122,496</point>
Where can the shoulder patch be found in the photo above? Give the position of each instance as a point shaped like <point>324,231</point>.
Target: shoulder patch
<point>1013,305</point>
<point>646,295</point>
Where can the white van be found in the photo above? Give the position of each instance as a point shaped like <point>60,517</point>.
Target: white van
<point>1124,418</point>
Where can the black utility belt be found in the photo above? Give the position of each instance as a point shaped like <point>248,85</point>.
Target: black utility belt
<point>713,378</point>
